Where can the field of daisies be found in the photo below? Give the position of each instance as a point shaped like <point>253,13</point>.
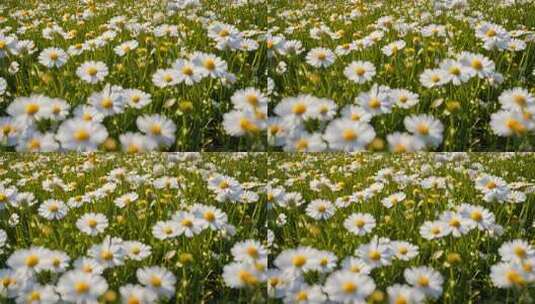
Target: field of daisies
<point>113,228</point>
<point>401,229</point>
<point>439,75</point>
<point>167,75</point>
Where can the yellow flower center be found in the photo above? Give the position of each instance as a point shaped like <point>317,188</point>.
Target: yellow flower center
<point>374,255</point>
<point>32,260</point>
<point>156,281</point>
<point>301,296</point>
<point>209,64</point>
<point>359,223</point>
<point>520,100</point>
<point>299,109</point>
<point>374,103</point>
<point>301,145</point>
<point>252,100</point>
<point>423,129</point>
<point>252,252</point>
<point>248,125</point>
<point>455,223</point>
<point>520,252</point>
<point>349,135</point>
<point>490,33</point>
<point>423,281</point>
<point>81,287</point>
<point>476,216</point>
<point>106,255</point>
<point>247,277</point>
<point>156,129</point>
<point>34,296</point>
<point>34,144</point>
<point>167,78</point>
<point>349,287</point>
<point>516,126</point>
<point>106,103</point>
<point>299,260</point>
<point>53,208</point>
<point>81,135</point>
<point>54,56</point>
<point>32,108</point>
<point>92,223</point>
<point>477,64</point>
<point>209,216</point>
<point>133,148</point>
<point>515,278</point>
<point>401,300</point>
<point>92,71</point>
<point>187,223</point>
<point>133,300</point>
<point>187,71</point>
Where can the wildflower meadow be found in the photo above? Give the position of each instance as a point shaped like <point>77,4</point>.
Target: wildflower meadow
<point>437,75</point>
<point>113,228</point>
<point>132,75</point>
<point>414,228</point>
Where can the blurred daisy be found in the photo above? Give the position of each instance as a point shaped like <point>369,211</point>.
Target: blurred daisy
<point>157,279</point>
<point>33,141</point>
<point>249,98</point>
<point>92,223</point>
<point>52,209</point>
<point>137,251</point>
<point>347,287</point>
<point>509,123</point>
<point>320,57</point>
<point>165,229</point>
<point>137,294</point>
<point>38,294</point>
<point>359,223</point>
<point>507,275</point>
<point>213,66</point>
<point>136,99</point>
<point>157,127</point>
<point>240,275</point>
<point>110,101</point>
<point>188,224</point>
<point>125,47</point>
<point>80,135</point>
<point>53,57</point>
<point>346,135</point>
<point>187,72</point>
<point>426,128</point>
<point>248,251</point>
<point>320,209</point>
<point>34,259</point>
<point>516,99</point>
<point>92,72</point>
<point>398,294</point>
<point>80,287</point>
<point>425,280</point>
<point>165,78</point>
<point>137,143</point>
<point>360,71</point>
<point>434,230</point>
